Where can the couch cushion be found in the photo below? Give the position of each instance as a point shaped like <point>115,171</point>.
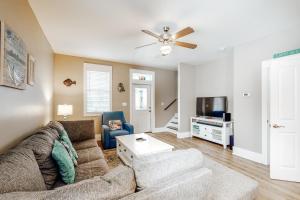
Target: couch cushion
<point>57,126</point>
<point>150,170</point>
<point>19,171</point>
<point>116,184</point>
<point>91,169</point>
<point>228,184</point>
<point>79,130</point>
<point>41,144</point>
<point>85,144</point>
<point>115,133</point>
<point>90,154</point>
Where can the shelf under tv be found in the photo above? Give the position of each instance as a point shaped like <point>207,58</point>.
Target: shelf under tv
<point>212,129</point>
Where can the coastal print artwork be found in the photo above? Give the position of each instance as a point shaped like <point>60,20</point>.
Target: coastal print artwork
<point>13,69</point>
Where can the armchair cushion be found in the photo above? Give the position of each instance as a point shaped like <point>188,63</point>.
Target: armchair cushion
<point>115,133</point>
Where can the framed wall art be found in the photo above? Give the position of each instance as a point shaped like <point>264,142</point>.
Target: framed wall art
<point>30,70</point>
<point>13,67</point>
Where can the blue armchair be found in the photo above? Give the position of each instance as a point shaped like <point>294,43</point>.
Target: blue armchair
<point>108,136</point>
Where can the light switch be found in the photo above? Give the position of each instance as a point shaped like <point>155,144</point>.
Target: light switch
<point>124,104</point>
<point>162,103</point>
<point>246,94</point>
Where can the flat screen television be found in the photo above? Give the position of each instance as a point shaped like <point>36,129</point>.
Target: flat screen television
<point>211,106</point>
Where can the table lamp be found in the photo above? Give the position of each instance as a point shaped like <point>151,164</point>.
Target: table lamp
<point>65,110</point>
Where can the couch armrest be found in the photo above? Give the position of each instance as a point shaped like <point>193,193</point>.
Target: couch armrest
<point>128,127</point>
<point>79,130</point>
<point>192,185</point>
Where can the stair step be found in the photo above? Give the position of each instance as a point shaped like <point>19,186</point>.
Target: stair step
<point>174,122</point>
<point>172,127</point>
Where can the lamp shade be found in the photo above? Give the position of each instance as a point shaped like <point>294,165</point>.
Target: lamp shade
<point>64,110</point>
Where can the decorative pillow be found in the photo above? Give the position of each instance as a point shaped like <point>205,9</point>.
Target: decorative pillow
<point>64,162</point>
<point>64,137</point>
<point>115,124</point>
<point>68,148</point>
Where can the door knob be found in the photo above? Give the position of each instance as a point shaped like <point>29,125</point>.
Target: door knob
<point>277,126</point>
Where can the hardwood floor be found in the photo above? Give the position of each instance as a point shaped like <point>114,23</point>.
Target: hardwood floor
<point>268,188</point>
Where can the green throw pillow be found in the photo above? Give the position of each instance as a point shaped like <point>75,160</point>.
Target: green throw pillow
<point>64,162</point>
<point>64,137</point>
<point>68,148</point>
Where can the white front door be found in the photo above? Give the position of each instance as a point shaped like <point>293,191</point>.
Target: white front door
<point>141,111</point>
<point>285,119</point>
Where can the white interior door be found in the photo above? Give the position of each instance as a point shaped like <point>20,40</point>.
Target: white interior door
<point>285,119</point>
<point>141,112</point>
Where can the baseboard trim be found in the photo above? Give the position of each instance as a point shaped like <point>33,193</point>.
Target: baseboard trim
<point>250,155</point>
<point>160,129</point>
<point>184,135</point>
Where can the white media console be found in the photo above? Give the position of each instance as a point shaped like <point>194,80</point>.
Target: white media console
<point>212,129</point>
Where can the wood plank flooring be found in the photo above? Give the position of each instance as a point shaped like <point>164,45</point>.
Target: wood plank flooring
<point>268,188</point>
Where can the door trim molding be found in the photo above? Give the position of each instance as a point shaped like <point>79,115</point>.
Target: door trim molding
<point>265,110</point>
<point>152,84</point>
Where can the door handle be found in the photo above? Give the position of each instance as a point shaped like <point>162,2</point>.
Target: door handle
<point>278,126</point>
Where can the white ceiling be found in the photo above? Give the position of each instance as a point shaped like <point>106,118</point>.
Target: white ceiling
<point>110,29</point>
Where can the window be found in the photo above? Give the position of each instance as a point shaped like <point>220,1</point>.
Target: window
<point>141,98</point>
<point>97,89</point>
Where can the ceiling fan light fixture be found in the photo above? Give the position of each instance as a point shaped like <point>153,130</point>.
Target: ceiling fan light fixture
<point>165,50</point>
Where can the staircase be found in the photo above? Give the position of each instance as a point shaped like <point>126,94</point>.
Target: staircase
<point>172,125</point>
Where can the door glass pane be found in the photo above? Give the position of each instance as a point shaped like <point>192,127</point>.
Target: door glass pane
<point>143,77</point>
<point>141,98</point>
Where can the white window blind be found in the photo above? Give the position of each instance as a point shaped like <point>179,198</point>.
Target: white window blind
<point>97,88</point>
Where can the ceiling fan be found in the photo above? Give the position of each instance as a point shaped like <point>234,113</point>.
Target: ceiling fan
<point>168,40</point>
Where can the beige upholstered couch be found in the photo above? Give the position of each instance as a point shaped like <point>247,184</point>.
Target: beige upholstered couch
<point>28,172</point>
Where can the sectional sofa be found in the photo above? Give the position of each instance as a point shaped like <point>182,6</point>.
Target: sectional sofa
<point>29,172</point>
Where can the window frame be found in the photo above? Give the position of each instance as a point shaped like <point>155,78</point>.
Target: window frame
<point>95,67</point>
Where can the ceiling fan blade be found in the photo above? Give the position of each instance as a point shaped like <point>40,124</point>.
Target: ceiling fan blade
<point>145,45</point>
<point>186,45</point>
<point>184,32</point>
<point>150,33</point>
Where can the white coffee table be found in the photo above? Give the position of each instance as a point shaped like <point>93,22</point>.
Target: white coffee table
<point>129,148</point>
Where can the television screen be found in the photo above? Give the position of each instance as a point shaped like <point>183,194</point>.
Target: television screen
<point>211,106</point>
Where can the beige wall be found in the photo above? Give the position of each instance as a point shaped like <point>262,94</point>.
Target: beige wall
<point>23,111</point>
<point>72,67</point>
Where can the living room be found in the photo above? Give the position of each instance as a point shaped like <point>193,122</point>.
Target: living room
<point>114,100</point>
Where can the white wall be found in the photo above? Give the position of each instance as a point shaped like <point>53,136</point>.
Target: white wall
<point>237,73</point>
<point>186,98</point>
<point>216,79</point>
<point>247,78</point>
